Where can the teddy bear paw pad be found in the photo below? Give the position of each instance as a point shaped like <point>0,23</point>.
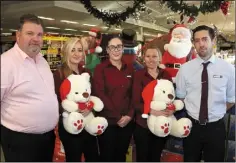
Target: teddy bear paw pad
<point>186,130</point>
<point>79,124</point>
<point>165,128</point>
<point>100,130</point>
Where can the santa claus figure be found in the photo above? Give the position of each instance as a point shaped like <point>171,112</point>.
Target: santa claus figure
<point>179,49</point>
<point>94,48</point>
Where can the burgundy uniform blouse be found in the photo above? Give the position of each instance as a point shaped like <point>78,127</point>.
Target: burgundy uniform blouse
<point>114,88</point>
<point>141,79</point>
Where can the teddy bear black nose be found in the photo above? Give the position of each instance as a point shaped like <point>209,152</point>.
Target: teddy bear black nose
<point>170,96</point>
<point>85,95</point>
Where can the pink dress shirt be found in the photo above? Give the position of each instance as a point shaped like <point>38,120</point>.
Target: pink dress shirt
<point>28,100</point>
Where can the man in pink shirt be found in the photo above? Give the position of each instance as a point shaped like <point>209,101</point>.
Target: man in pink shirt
<point>29,106</point>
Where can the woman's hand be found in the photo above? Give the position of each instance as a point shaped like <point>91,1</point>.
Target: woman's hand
<point>85,112</point>
<point>124,121</point>
<point>165,112</point>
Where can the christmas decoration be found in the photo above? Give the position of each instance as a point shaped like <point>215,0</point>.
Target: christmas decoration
<point>207,6</point>
<point>225,7</point>
<point>113,18</point>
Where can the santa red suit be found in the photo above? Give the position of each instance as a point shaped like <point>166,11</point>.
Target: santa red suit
<point>179,50</point>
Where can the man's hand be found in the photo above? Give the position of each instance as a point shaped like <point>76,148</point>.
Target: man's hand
<point>124,121</point>
<point>85,112</point>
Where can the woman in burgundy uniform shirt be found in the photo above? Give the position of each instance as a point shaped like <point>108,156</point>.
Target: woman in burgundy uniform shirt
<point>74,145</point>
<point>148,145</point>
<point>113,84</point>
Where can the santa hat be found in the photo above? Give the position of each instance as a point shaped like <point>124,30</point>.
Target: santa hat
<point>65,89</point>
<point>147,94</point>
<point>94,32</point>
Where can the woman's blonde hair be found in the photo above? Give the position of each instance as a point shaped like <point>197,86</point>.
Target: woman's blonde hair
<point>66,51</point>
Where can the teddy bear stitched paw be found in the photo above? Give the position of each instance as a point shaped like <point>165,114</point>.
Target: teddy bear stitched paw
<point>73,122</point>
<point>181,128</point>
<point>179,105</point>
<point>96,126</point>
<point>98,104</point>
<point>160,126</point>
<point>69,105</point>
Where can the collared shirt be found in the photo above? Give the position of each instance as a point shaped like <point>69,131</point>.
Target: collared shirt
<point>221,78</point>
<point>28,100</point>
<point>113,87</point>
<point>141,79</point>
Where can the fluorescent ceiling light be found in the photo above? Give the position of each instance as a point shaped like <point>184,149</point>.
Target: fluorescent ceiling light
<point>84,31</point>
<point>41,17</point>
<point>6,34</point>
<point>67,29</point>
<point>53,33</point>
<point>89,25</point>
<point>52,27</point>
<point>105,27</point>
<point>13,30</point>
<point>147,34</point>
<point>117,29</point>
<point>70,22</point>
<point>232,23</point>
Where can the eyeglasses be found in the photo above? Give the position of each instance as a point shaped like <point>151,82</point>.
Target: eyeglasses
<point>115,48</point>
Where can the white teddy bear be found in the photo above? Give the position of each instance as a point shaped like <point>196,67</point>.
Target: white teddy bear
<point>159,95</point>
<point>75,93</point>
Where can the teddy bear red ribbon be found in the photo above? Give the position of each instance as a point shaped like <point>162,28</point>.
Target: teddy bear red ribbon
<point>85,105</point>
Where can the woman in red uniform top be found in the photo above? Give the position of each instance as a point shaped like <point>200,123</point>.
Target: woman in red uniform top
<point>148,145</point>
<point>113,84</point>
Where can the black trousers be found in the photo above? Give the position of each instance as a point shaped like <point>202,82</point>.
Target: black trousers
<point>75,145</point>
<point>114,143</point>
<point>148,146</point>
<point>208,140</point>
<point>24,147</point>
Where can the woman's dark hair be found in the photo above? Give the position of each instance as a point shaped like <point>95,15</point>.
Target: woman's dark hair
<point>113,37</point>
<point>210,30</point>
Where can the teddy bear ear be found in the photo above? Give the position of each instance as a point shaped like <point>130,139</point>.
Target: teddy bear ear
<point>86,75</point>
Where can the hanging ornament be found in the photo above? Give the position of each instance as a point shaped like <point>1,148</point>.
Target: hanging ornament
<point>192,20</point>
<point>225,7</point>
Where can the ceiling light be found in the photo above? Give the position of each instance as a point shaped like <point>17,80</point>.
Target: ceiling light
<point>70,22</point>
<point>67,29</point>
<point>52,27</point>
<point>53,33</point>
<point>232,23</point>
<point>66,34</point>
<point>84,31</point>
<point>13,30</point>
<point>1,29</point>
<point>41,17</point>
<point>6,34</point>
<point>117,29</point>
<point>228,13</point>
<point>105,27</point>
<point>89,25</point>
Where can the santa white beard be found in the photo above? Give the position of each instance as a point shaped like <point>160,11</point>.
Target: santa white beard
<point>179,49</point>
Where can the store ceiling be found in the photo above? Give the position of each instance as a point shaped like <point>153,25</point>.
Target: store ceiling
<point>153,20</point>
